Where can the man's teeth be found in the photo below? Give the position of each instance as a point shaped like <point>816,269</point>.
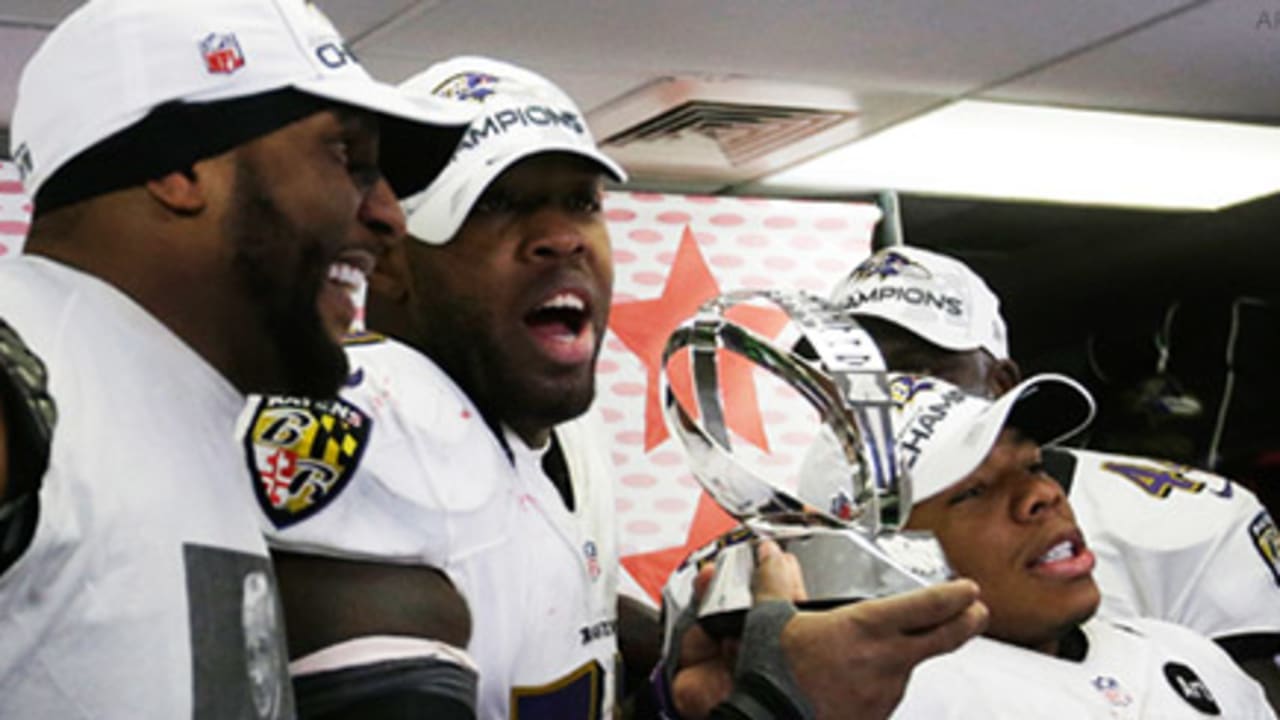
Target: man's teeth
<point>1061,551</point>
<point>567,301</point>
<point>345,274</point>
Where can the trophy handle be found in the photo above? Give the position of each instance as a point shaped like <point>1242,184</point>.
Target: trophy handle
<point>850,393</point>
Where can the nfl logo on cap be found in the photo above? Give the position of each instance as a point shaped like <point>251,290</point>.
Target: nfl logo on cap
<point>221,53</point>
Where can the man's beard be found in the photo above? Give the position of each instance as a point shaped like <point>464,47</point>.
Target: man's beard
<point>307,362</point>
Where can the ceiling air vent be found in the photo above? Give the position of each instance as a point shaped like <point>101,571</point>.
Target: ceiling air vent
<point>703,134</point>
<point>742,132</point>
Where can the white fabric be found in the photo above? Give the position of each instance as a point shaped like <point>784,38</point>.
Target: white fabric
<point>1123,675</point>
<point>522,114</point>
<point>95,618</point>
<point>932,295</point>
<point>378,648</point>
<point>126,57</point>
<point>435,487</point>
<point>1187,556</point>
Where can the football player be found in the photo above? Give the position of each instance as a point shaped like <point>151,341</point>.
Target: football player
<point>197,175</point>
<point>1172,542</point>
<point>979,484</point>
<point>444,529</point>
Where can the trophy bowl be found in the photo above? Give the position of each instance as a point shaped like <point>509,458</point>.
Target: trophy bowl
<point>841,518</point>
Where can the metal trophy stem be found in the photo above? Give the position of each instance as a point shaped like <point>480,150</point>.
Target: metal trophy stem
<point>847,553</point>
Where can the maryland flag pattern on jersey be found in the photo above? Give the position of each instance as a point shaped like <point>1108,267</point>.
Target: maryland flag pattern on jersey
<point>301,454</point>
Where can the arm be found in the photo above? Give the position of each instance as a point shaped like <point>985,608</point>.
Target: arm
<point>821,664</point>
<point>27,416</point>
<point>4,454</point>
<point>640,642</point>
<point>374,640</point>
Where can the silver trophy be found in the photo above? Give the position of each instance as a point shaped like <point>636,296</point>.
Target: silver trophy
<point>844,528</point>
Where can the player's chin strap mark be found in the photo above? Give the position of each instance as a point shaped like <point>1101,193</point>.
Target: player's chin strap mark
<point>386,677</point>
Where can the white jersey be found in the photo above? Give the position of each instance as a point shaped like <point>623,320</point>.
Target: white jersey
<point>1140,668</point>
<point>1175,543</point>
<point>146,591</point>
<point>403,469</point>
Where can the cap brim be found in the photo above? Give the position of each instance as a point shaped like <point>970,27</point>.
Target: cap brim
<point>437,219</point>
<point>418,137</point>
<point>1048,408</point>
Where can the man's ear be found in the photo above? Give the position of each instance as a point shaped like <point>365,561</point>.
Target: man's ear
<point>179,191</point>
<point>1002,376</point>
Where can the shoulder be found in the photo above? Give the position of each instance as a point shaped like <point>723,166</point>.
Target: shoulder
<point>376,471</point>
<point>1193,668</point>
<point>1129,489</point>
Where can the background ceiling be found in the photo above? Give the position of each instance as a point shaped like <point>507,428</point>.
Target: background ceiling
<point>1065,272</point>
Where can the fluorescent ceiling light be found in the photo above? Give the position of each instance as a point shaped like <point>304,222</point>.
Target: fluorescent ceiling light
<point>1026,152</point>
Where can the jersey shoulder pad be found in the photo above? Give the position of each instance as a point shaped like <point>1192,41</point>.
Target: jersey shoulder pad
<point>400,386</point>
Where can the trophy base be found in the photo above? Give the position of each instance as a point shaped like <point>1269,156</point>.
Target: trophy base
<point>839,566</point>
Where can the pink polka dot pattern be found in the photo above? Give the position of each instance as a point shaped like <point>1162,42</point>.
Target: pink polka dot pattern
<point>648,278</point>
<point>630,437</point>
<point>672,458</point>
<point>671,505</point>
<point>726,261</point>
<point>639,481</point>
<point>15,211</point>
<point>646,236</point>
<point>628,389</point>
<point>642,527</point>
<point>744,243</point>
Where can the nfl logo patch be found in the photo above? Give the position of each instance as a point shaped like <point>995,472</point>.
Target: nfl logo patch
<point>593,559</point>
<point>221,53</point>
<point>1113,691</point>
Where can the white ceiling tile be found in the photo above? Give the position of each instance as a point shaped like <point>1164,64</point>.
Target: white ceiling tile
<point>1218,60</point>
<point>928,46</point>
<point>355,18</point>
<point>16,45</point>
<point>36,12</point>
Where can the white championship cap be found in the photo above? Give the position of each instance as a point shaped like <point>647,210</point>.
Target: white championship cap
<point>523,114</point>
<point>942,433</point>
<point>934,296</point>
<point>110,63</point>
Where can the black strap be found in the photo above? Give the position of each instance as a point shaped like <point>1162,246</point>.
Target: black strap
<point>1061,466</point>
<point>1251,646</point>
<point>557,468</point>
<point>389,690</point>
